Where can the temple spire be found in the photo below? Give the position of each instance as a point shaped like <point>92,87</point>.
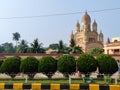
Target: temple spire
<point>72,35</point>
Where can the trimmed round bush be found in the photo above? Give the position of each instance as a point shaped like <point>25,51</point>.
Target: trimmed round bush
<point>66,64</point>
<point>107,64</point>
<point>11,66</point>
<point>47,65</point>
<point>86,63</point>
<point>29,66</point>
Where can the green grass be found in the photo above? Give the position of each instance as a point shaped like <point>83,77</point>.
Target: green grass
<point>65,81</point>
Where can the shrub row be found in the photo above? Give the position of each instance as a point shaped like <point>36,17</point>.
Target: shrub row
<point>85,63</point>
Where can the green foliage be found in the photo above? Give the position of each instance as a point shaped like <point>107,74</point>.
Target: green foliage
<point>66,64</point>
<point>1,49</point>
<point>53,46</point>
<point>11,65</point>
<point>72,43</point>
<point>47,65</point>
<point>86,63</point>
<point>37,47</point>
<point>107,64</point>
<point>1,61</point>
<point>62,47</point>
<point>97,51</point>
<point>16,37</point>
<point>22,47</point>
<point>73,48</point>
<point>8,47</point>
<point>29,66</point>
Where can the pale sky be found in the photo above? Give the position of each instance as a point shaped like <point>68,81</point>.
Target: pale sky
<point>51,29</point>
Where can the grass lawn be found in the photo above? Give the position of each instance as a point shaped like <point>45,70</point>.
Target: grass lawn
<point>78,81</point>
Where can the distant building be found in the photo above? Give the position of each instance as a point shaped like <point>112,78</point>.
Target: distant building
<point>87,37</point>
<point>50,51</point>
<point>112,47</point>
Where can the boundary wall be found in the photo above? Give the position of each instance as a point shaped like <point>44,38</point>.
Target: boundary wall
<point>40,55</point>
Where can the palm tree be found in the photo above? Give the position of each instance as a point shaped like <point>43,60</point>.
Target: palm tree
<point>36,46</point>
<point>97,51</point>
<point>22,47</point>
<point>61,47</point>
<point>73,48</point>
<point>77,49</point>
<point>16,37</point>
<point>72,43</point>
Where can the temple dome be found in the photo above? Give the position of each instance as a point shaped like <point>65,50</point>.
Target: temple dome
<point>101,34</point>
<point>94,23</point>
<point>77,24</point>
<point>86,18</point>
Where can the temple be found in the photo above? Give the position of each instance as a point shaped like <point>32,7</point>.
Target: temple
<point>86,37</point>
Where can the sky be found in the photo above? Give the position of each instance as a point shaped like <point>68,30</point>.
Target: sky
<point>52,29</point>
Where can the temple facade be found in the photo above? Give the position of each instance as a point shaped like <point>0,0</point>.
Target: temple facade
<point>86,35</point>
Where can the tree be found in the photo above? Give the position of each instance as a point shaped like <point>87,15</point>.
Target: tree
<point>86,64</point>
<point>62,48</point>
<point>72,43</point>
<point>66,64</point>
<point>73,48</point>
<point>22,47</point>
<point>1,61</point>
<point>1,49</point>
<point>47,65</point>
<point>97,51</point>
<point>29,66</point>
<point>8,47</point>
<point>78,50</point>
<point>107,64</point>
<point>37,47</point>
<point>11,66</point>
<point>16,37</point>
<point>53,46</point>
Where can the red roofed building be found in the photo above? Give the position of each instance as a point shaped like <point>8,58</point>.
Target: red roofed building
<point>112,47</point>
